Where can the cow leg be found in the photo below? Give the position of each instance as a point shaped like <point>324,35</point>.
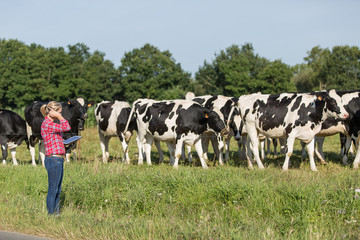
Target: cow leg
<point>205,144</point>
<point>289,150</point>
<point>42,153</point>
<point>343,140</point>
<point>148,144</point>
<point>310,148</point>
<point>303,151</point>
<point>268,145</point>
<point>188,151</point>
<point>275,143</point>
<point>357,157</point>
<point>248,155</point>
<point>178,149</point>
<point>32,153</point>
<point>218,146</point>
<point>161,154</point>
<point>190,159</point>
<point>13,156</point>
<point>347,146</point>
<point>255,146</point>
<point>199,150</point>
<point>4,152</point>
<point>171,147</point>
<point>125,147</point>
<point>227,149</point>
<point>262,148</point>
<point>319,149</point>
<point>140,143</point>
<point>104,147</point>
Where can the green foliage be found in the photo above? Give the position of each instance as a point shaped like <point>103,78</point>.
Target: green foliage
<point>237,71</point>
<point>150,73</point>
<point>338,69</point>
<point>33,72</point>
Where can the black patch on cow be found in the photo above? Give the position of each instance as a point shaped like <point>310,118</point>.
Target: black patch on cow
<point>273,112</point>
<point>171,115</point>
<point>199,100</point>
<point>210,102</point>
<point>296,103</point>
<point>192,119</point>
<point>142,108</point>
<point>157,113</point>
<point>104,109</point>
<point>12,129</point>
<point>122,121</point>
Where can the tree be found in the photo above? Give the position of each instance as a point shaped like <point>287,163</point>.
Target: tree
<point>149,73</point>
<point>338,69</point>
<point>237,71</point>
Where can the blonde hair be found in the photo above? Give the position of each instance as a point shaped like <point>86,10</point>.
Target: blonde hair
<point>46,108</point>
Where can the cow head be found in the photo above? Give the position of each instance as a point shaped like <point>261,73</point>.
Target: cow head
<point>214,122</point>
<point>236,125</point>
<point>333,104</point>
<point>77,112</point>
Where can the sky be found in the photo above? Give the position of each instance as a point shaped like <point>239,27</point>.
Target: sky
<point>193,31</point>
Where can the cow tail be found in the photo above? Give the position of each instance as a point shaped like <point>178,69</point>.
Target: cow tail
<point>129,119</point>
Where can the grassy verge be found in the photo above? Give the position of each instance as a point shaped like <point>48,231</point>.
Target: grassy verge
<point>118,201</point>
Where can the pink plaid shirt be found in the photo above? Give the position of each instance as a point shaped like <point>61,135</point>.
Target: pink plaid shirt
<point>52,135</point>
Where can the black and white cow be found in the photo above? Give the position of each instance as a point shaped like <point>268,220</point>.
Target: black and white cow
<point>349,129</point>
<point>229,114</point>
<point>74,111</point>
<point>12,133</point>
<point>111,118</point>
<point>176,122</point>
<point>290,116</point>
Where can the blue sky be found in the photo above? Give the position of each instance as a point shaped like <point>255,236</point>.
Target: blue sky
<point>192,30</point>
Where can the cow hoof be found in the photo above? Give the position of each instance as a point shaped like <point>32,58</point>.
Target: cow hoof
<point>314,170</point>
<point>4,162</point>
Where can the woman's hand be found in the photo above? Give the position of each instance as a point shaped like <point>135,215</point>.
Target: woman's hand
<point>55,114</point>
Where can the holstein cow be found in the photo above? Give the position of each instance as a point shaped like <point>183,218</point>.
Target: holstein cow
<point>176,122</point>
<point>111,118</point>
<point>229,114</point>
<point>349,129</point>
<point>290,116</point>
<point>12,133</point>
<point>74,111</point>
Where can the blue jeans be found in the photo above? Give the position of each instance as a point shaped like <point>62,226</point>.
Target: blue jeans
<point>55,169</point>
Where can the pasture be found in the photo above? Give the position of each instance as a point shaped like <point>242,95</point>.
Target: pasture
<point>119,201</point>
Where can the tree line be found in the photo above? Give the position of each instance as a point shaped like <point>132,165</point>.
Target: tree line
<point>33,72</point>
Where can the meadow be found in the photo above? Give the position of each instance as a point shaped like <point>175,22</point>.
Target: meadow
<point>119,201</point>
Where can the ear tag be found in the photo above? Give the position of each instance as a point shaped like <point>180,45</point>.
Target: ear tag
<point>319,98</point>
<point>89,105</point>
<point>206,115</point>
<point>69,103</point>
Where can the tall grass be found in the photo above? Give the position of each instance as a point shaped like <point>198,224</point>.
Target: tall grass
<point>118,201</point>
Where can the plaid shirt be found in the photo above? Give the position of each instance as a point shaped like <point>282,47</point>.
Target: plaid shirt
<point>52,135</point>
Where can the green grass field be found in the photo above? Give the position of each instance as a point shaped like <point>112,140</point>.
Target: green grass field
<point>119,201</point>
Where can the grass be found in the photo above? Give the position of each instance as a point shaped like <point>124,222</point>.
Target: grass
<point>119,201</point>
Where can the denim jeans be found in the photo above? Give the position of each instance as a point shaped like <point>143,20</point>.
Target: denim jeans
<point>55,169</point>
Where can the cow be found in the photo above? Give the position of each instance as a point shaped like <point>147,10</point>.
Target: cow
<point>73,110</point>
<point>229,114</point>
<point>290,116</point>
<point>111,118</point>
<point>12,133</point>
<point>349,129</point>
<point>176,122</point>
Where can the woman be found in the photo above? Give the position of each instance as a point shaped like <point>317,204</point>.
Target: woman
<point>51,133</point>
